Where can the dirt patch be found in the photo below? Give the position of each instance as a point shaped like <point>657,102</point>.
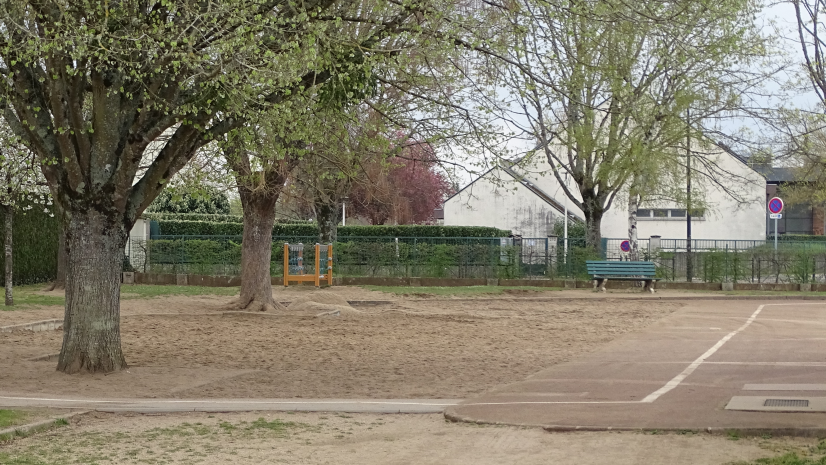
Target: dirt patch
<point>319,438</point>
<point>321,303</point>
<point>179,347</point>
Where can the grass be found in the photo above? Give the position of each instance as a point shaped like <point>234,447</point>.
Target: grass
<point>786,459</point>
<point>11,418</point>
<point>811,455</point>
<point>181,443</point>
<point>31,295</point>
<point>456,291</point>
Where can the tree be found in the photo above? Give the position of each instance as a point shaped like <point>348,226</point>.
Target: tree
<point>88,85</point>
<point>405,189</point>
<point>603,87</point>
<point>207,200</point>
<point>810,29</point>
<point>21,187</point>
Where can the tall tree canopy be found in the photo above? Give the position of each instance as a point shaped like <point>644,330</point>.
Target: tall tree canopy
<point>88,85</point>
<point>603,87</point>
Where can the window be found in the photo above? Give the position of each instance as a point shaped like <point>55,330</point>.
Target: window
<point>668,214</point>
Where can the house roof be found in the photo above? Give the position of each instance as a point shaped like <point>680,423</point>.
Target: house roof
<point>776,174</point>
<point>540,193</point>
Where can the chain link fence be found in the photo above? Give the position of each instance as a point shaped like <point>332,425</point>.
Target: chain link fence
<point>505,258</point>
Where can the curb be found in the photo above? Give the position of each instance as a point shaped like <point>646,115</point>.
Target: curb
<point>801,432</point>
<point>141,405</point>
<point>37,326</point>
<point>23,430</point>
<point>613,298</point>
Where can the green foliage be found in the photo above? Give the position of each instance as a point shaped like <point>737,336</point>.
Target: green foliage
<point>213,218</point>
<point>576,229</point>
<point>35,246</point>
<point>797,238</point>
<point>209,228</point>
<point>204,201</point>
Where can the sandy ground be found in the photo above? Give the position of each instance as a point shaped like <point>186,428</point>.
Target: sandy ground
<point>319,438</point>
<point>411,348</point>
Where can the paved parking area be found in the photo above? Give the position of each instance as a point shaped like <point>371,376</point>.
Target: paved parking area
<point>712,365</point>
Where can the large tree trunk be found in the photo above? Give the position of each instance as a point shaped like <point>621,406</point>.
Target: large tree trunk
<point>256,250</point>
<point>327,216</point>
<point>91,325</point>
<point>8,247</point>
<point>593,210</point>
<point>59,283</point>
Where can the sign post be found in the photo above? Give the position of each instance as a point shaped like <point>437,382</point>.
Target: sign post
<point>775,207</point>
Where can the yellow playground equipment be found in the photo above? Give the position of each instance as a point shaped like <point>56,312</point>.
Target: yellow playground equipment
<point>296,271</point>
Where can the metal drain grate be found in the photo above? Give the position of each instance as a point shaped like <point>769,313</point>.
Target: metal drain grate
<point>786,403</point>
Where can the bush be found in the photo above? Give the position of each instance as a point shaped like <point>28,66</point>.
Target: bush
<point>214,218</point>
<point>35,246</point>
<point>213,228</point>
<point>204,200</point>
<point>797,238</point>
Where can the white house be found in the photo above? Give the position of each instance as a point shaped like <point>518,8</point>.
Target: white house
<point>528,199</point>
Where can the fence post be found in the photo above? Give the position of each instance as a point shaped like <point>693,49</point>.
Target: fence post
<point>317,269</point>
<point>286,262</point>
<point>726,264</point>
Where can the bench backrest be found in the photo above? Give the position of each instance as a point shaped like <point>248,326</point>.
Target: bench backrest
<point>617,268</point>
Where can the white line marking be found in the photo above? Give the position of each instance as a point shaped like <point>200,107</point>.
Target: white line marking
<point>696,363</point>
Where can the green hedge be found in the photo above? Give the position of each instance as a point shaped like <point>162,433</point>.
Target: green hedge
<point>797,238</point>
<point>210,218</point>
<point>210,228</point>
<point>35,246</point>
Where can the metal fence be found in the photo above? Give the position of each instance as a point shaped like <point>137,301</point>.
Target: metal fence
<point>473,257</point>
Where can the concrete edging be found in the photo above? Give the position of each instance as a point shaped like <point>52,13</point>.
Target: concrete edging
<point>804,432</point>
<point>37,326</point>
<point>38,425</point>
<point>229,281</point>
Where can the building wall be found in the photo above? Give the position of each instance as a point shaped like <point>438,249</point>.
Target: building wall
<point>512,206</point>
<point>497,200</point>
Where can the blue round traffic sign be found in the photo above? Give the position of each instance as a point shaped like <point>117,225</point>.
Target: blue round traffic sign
<point>625,246</point>
<point>775,205</point>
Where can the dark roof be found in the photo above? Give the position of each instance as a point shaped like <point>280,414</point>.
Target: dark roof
<point>776,174</point>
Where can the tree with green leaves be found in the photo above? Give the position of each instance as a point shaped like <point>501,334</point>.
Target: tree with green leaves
<point>22,188</point>
<point>89,85</point>
<point>603,87</point>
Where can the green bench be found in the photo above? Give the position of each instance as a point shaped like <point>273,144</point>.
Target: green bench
<point>602,271</point>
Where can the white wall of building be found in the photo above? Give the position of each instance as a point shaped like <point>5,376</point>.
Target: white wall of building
<point>509,205</point>
<point>498,200</point>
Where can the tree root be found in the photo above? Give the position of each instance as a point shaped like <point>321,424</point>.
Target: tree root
<point>254,305</point>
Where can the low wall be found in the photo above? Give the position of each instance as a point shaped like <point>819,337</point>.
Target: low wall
<point>229,281</point>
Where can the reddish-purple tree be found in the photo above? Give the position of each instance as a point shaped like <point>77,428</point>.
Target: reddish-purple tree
<point>405,189</point>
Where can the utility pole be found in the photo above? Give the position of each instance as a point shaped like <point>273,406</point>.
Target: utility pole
<point>689,264</point>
